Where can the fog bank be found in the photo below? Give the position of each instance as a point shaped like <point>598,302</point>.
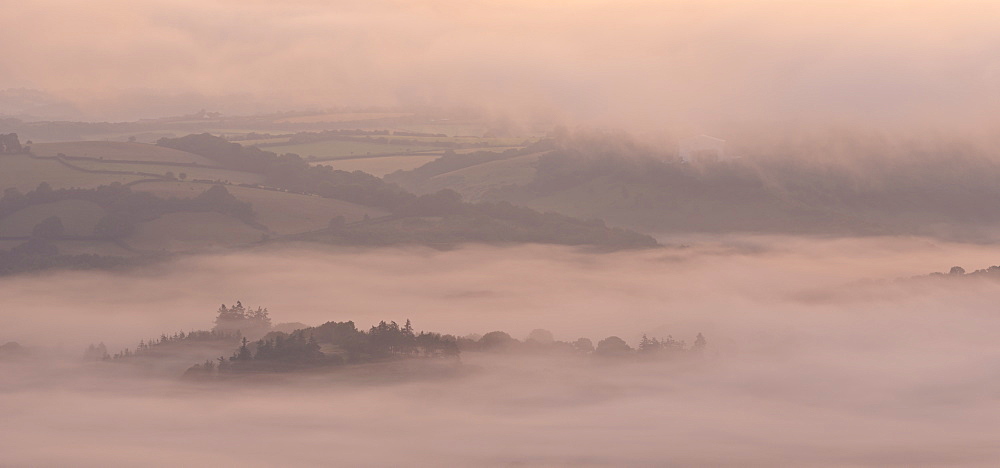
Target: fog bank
<point>639,64</point>
<point>808,364</point>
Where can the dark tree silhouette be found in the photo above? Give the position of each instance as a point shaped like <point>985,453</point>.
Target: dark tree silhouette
<point>613,346</point>
<point>49,228</point>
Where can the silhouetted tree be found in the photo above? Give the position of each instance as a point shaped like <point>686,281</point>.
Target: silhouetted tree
<point>496,340</point>
<point>541,336</point>
<point>48,228</point>
<point>584,345</point>
<point>699,344</point>
<point>612,346</point>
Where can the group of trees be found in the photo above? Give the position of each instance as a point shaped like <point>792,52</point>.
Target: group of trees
<point>542,341</point>
<point>959,272</point>
<point>163,344</point>
<point>338,343</point>
<point>331,344</point>
<point>240,319</point>
<point>9,143</point>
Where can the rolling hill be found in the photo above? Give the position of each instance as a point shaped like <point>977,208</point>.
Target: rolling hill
<point>202,193</point>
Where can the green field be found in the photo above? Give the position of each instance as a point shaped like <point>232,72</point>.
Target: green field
<point>80,247</point>
<point>282,212</point>
<point>341,117</point>
<point>119,151</point>
<point>491,149</point>
<point>178,232</point>
<point>78,217</point>
<point>25,173</point>
<point>205,173</point>
<point>263,141</point>
<point>517,142</point>
<point>450,129</point>
<point>335,149</point>
<point>378,166</point>
<point>474,181</point>
<point>77,247</point>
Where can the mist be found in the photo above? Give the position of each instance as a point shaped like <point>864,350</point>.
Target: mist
<point>636,64</point>
<point>779,178</point>
<point>820,353</point>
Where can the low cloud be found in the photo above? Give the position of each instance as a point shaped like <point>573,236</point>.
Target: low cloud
<point>880,373</point>
<point>639,64</point>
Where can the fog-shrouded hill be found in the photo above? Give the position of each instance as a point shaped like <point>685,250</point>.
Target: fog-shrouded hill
<point>103,203</point>
<point>841,184</point>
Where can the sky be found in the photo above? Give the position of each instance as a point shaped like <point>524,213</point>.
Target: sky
<point>632,64</point>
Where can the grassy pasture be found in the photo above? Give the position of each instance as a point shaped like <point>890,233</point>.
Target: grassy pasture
<point>463,140</point>
<point>80,247</point>
<point>263,141</point>
<point>378,166</point>
<point>474,181</point>
<point>25,173</point>
<point>207,173</point>
<point>343,117</point>
<point>450,129</point>
<point>283,213</point>
<point>178,232</point>
<point>337,149</point>
<point>78,217</point>
<point>491,149</point>
<point>120,151</point>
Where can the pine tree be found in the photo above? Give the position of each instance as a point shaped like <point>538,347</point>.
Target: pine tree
<point>699,344</point>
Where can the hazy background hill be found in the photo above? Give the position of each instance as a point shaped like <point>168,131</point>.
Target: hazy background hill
<point>853,183</point>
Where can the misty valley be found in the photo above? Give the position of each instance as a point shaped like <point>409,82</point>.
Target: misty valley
<point>726,298</point>
<point>440,233</point>
<point>782,332</point>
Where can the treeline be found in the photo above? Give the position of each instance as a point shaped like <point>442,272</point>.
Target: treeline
<point>335,344</point>
<point>340,343</point>
<point>992,272</point>
<point>541,340</point>
<point>40,254</point>
<point>157,347</point>
<point>330,344</point>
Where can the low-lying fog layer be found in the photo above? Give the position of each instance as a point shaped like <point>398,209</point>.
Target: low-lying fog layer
<point>808,362</point>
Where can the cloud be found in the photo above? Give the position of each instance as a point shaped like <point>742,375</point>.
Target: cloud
<point>634,63</point>
<point>886,374</point>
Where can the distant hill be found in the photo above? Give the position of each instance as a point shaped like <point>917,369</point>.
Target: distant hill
<point>91,206</point>
<point>868,188</point>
